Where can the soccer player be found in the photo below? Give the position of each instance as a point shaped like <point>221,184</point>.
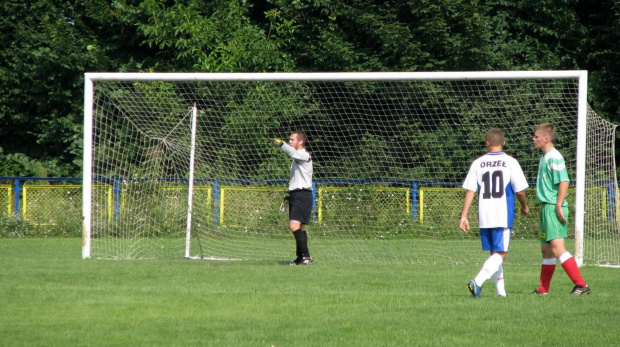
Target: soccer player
<point>551,188</point>
<point>300,193</point>
<point>499,178</point>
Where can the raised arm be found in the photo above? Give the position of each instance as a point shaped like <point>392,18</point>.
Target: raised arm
<point>296,155</point>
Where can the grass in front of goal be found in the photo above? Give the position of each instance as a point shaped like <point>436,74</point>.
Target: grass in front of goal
<point>49,296</point>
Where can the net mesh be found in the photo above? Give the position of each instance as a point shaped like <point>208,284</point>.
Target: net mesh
<point>389,158</point>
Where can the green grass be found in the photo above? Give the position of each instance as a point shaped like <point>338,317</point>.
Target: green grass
<point>50,296</point>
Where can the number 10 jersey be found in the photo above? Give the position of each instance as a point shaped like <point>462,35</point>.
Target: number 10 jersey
<point>497,177</point>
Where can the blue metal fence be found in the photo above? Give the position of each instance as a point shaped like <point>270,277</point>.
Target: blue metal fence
<point>413,185</point>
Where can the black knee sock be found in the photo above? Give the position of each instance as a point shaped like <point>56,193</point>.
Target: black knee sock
<point>304,243</point>
<point>298,242</point>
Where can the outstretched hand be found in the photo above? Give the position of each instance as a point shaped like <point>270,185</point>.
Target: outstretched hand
<point>277,142</point>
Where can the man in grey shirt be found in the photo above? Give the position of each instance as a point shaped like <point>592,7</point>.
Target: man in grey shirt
<point>300,192</point>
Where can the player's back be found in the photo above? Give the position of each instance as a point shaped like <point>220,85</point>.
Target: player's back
<point>498,177</point>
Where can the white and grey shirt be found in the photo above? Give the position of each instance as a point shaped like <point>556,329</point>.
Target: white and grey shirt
<point>301,168</point>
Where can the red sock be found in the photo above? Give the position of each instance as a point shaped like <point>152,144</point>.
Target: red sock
<point>546,273</point>
<point>572,270</point>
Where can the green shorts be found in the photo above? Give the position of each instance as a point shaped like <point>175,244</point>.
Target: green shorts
<point>550,226</point>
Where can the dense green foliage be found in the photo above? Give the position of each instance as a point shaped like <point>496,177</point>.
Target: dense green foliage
<point>48,45</point>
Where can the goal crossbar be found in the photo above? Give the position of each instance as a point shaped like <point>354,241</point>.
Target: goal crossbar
<point>336,76</point>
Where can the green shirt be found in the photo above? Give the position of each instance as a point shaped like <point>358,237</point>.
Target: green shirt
<point>551,171</point>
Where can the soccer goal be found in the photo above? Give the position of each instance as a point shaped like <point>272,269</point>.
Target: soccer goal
<point>192,174</point>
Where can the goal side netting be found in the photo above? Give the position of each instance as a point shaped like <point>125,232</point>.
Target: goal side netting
<point>180,165</point>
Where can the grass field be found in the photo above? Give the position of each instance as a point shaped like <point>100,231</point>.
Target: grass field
<point>49,296</point>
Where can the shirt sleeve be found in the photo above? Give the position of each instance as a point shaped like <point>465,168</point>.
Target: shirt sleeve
<point>301,156</point>
<point>471,181</point>
<point>518,180</point>
<point>559,173</point>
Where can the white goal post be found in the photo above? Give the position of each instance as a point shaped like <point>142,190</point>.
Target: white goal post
<point>192,174</point>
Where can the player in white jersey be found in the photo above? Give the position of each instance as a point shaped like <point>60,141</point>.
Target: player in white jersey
<point>299,193</point>
<point>499,179</point>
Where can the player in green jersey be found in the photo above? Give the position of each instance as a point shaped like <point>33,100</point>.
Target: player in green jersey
<point>551,189</point>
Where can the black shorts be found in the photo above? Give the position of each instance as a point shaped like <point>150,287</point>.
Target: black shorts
<point>300,206</point>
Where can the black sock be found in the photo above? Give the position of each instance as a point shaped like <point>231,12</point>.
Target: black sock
<point>299,242</point>
<point>304,243</point>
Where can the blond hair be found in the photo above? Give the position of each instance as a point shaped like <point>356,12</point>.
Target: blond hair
<point>548,130</point>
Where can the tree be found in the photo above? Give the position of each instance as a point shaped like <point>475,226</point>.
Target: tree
<point>218,36</point>
<point>46,48</point>
<point>599,53</point>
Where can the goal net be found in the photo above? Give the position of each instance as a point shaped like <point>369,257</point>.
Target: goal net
<point>192,174</point>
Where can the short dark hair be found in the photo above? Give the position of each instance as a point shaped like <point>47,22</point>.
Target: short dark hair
<point>495,137</point>
<point>300,135</point>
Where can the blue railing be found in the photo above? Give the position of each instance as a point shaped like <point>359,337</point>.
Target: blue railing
<point>17,186</point>
<point>414,186</point>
